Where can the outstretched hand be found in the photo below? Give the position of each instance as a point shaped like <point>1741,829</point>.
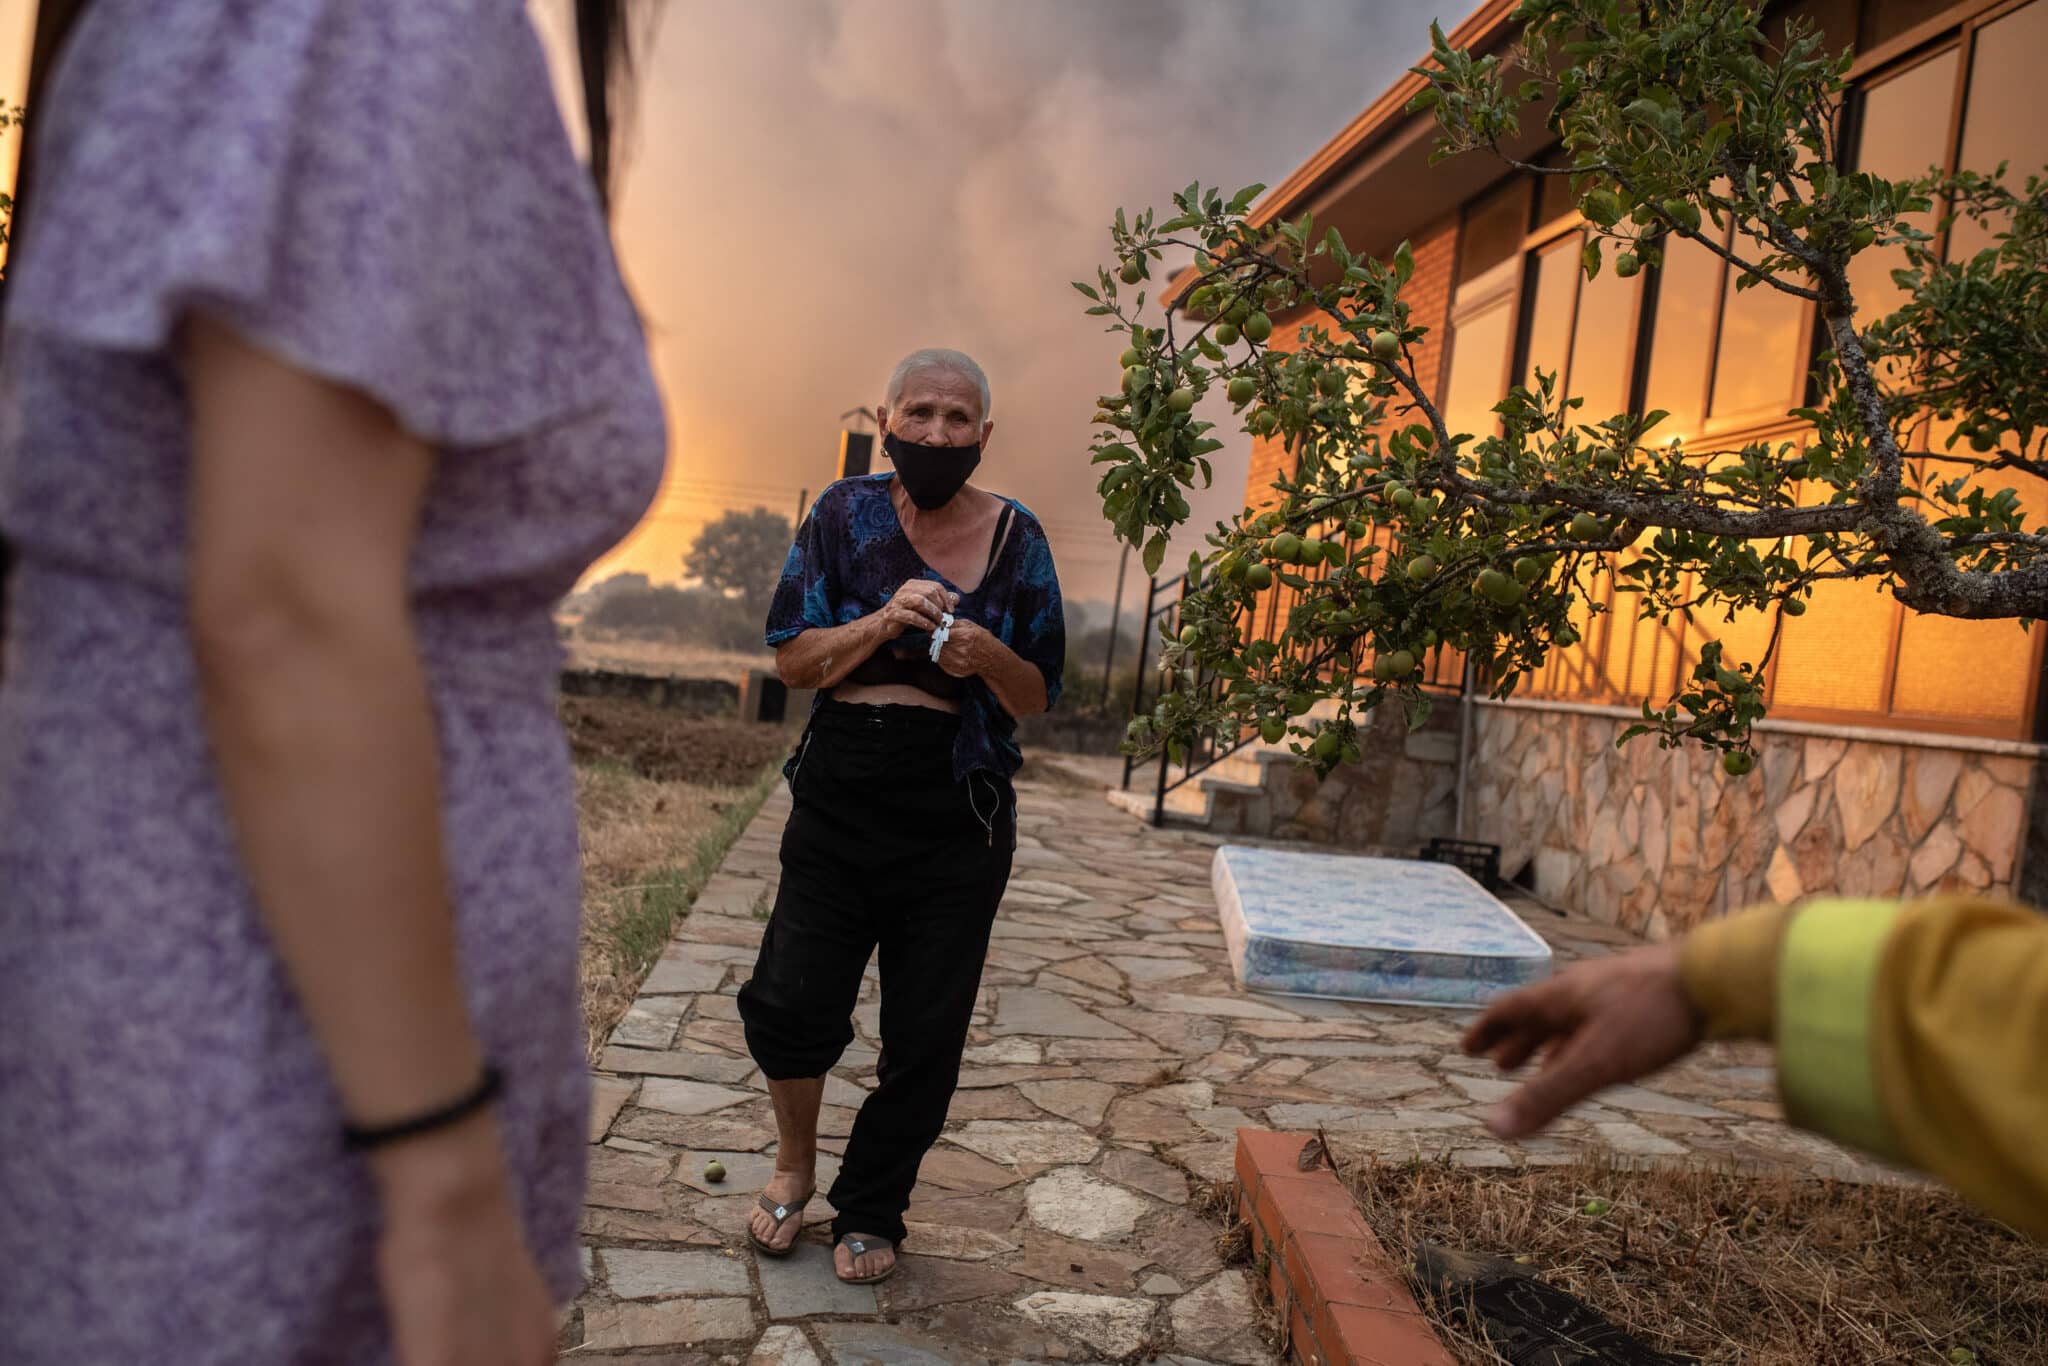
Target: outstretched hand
<point>1598,1023</point>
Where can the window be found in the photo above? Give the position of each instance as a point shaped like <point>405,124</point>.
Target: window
<point>1582,331</point>
<point>1493,230</point>
<point>1681,351</point>
<point>1479,360</point>
<point>2002,118</point>
<point>1903,131</point>
<point>1553,292</point>
<point>1604,343</point>
<point>1760,362</point>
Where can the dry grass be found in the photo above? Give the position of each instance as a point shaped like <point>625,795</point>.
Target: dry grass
<point>627,655</point>
<point>649,846</point>
<point>1732,1267</point>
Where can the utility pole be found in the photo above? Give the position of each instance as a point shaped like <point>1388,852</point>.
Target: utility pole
<point>1116,609</point>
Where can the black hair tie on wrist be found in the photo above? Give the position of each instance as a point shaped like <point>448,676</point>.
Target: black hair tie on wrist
<point>483,1093</point>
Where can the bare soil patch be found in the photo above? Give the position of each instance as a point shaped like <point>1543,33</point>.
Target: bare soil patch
<point>666,745</point>
<point>1732,1267</point>
<point>660,797</point>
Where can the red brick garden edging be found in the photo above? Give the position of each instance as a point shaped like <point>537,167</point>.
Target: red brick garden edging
<point>1343,1298</point>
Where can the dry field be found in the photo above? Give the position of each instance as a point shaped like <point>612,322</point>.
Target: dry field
<point>1734,1268</point>
<point>660,797</point>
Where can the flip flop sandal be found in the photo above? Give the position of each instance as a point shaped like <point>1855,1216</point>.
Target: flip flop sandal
<point>781,1214</point>
<point>859,1246</point>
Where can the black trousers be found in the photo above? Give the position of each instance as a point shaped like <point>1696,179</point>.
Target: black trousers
<point>883,850</point>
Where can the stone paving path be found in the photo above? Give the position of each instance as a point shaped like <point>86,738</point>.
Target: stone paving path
<point>1112,1060</point>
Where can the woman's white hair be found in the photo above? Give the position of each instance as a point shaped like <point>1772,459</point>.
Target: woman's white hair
<point>938,358</point>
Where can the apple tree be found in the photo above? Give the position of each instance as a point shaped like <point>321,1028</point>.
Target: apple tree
<point>1676,118</point>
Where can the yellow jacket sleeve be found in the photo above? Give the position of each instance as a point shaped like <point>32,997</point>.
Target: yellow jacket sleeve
<point>1918,1033</point>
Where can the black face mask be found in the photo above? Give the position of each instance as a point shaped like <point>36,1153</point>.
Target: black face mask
<point>931,475</point>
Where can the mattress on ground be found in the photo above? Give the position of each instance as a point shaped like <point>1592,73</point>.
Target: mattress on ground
<point>1369,929</point>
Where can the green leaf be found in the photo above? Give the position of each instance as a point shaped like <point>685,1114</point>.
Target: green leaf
<point>1155,553</point>
<point>1089,290</point>
<point>1404,263</point>
<point>1589,257</point>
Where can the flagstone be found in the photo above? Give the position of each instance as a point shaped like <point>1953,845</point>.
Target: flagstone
<point>1222,1007</point>
<point>1141,969</point>
<point>1644,1101</point>
<point>1362,1120</point>
<point>1096,1050</point>
<point>962,1171</point>
<point>1074,1204</point>
<point>1080,991</point>
<point>643,1226</point>
<point>686,1063</point>
<point>1026,1010</point>
<point>921,1282</point>
<point>1370,1080</point>
<point>743,1171</point>
<point>1143,1172</point>
<point>1131,1120</point>
<point>784,1345</point>
<point>638,1274</point>
<point>681,1097</point>
<point>723,1132</point>
<point>651,1022</point>
<point>668,1323</point>
<point>1084,1102</point>
<point>980,1078</point>
<point>1220,1322</point>
<point>629,1167</point>
<point>1183,1243</point>
<point>681,975</point>
<point>608,1095</point>
<point>990,1102</point>
<point>1011,1050</point>
<point>1152,948</point>
<point>1114,1327</point>
<point>1015,1141</point>
<point>990,1213</point>
<point>804,1285</point>
<point>1093,971</point>
<point>955,1242</point>
<point>1062,1262</point>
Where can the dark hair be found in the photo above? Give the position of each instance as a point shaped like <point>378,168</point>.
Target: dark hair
<point>604,56</point>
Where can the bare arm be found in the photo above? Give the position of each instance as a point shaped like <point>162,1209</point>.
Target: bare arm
<point>823,656</point>
<point>972,652</point>
<point>304,503</point>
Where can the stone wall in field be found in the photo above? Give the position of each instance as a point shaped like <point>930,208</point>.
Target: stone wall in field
<point>1658,840</point>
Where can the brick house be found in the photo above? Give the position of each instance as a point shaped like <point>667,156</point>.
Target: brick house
<point>1901,752</point>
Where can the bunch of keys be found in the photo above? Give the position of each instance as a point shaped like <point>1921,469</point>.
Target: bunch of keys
<point>939,636</point>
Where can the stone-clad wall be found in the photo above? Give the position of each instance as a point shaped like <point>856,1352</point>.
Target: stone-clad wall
<point>1658,840</point>
<point>1401,795</point>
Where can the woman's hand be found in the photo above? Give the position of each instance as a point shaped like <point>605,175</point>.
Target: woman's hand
<point>917,606</point>
<point>459,1285</point>
<point>966,652</point>
<point>1605,1021</point>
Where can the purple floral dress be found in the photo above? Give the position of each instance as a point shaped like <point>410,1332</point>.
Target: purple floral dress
<point>381,192</point>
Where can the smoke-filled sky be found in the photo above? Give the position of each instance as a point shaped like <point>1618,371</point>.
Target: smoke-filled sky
<point>816,187</point>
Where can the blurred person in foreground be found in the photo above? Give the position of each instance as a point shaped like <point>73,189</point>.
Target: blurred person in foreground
<point>926,612</point>
<point>321,386</point>
<point>1917,1032</point>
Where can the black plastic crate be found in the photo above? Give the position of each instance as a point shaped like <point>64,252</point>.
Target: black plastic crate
<point>1482,861</point>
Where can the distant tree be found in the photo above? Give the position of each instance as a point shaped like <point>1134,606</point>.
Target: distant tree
<point>741,555</point>
<point>684,616</point>
<point>612,585</point>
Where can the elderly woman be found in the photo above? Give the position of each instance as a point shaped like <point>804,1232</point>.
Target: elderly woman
<point>926,614</point>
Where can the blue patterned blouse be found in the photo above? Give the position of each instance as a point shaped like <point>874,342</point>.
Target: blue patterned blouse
<point>850,557</point>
